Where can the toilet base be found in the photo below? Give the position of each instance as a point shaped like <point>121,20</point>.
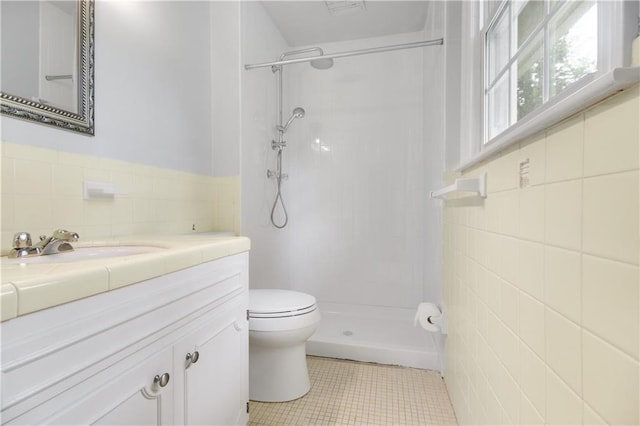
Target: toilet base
<point>277,374</point>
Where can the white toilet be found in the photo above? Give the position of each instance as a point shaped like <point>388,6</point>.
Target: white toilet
<point>280,322</point>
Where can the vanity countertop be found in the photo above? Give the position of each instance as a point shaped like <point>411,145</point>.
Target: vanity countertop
<point>30,287</point>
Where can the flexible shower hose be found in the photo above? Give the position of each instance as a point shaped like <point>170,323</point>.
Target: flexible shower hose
<point>279,194</point>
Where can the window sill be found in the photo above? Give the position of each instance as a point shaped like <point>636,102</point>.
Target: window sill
<point>583,97</point>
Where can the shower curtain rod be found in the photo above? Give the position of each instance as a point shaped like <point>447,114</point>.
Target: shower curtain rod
<point>349,53</point>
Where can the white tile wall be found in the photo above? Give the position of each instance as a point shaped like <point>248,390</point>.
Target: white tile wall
<point>555,339</point>
<point>356,192</point>
<point>42,190</point>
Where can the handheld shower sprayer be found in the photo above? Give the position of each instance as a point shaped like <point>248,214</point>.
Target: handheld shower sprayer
<point>297,113</point>
<point>278,146</point>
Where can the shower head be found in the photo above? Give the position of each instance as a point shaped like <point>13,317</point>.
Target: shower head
<point>297,113</point>
<point>321,63</point>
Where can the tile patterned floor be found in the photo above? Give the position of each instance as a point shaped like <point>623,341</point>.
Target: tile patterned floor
<point>355,393</point>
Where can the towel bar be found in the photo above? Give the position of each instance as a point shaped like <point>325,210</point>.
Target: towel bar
<point>476,184</point>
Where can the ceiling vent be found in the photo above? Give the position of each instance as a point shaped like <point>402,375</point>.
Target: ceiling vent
<point>343,7</point>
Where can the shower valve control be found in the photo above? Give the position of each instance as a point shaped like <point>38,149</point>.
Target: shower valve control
<point>275,145</point>
<point>275,174</point>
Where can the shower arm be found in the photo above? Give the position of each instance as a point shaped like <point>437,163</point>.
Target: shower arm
<point>301,52</point>
<point>278,64</point>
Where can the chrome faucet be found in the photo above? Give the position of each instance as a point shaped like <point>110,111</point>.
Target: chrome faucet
<point>57,243</point>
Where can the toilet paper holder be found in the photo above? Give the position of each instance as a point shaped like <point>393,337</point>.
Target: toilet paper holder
<point>431,318</point>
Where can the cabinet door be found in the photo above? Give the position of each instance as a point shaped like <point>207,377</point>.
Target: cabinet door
<point>124,394</point>
<point>216,385</point>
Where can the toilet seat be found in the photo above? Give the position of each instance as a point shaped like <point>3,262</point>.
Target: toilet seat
<point>286,314</point>
<point>279,303</point>
<point>281,310</point>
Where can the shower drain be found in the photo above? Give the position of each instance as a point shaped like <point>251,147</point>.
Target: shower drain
<point>348,333</point>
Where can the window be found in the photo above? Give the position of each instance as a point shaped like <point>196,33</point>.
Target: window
<point>540,52</point>
<point>534,51</point>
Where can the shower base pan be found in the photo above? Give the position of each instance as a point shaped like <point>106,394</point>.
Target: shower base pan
<point>374,334</point>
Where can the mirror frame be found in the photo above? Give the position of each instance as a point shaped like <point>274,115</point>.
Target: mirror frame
<point>83,120</point>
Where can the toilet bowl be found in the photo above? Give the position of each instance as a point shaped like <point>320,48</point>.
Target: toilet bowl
<point>280,322</point>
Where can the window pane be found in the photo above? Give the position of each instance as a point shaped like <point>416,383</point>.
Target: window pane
<point>529,69</point>
<point>498,107</point>
<point>573,36</point>
<point>528,14</point>
<point>498,45</point>
<point>553,4</point>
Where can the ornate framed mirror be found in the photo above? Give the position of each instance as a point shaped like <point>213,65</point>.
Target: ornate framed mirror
<point>48,62</point>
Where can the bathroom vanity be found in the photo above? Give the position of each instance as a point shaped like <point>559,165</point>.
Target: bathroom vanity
<point>169,349</point>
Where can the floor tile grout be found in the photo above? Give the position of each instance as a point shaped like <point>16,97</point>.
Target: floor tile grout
<point>354,393</point>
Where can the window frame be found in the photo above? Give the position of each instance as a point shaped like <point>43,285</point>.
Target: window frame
<point>542,31</point>
<point>612,74</point>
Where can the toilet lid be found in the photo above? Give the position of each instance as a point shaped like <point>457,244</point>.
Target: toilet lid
<point>279,303</point>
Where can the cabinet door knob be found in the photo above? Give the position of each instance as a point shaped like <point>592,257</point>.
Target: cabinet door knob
<point>194,357</point>
<point>162,380</point>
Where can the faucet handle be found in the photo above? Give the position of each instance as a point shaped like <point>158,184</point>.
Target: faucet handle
<point>63,234</point>
<point>21,240</point>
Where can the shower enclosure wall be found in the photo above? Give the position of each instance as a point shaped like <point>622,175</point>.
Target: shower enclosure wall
<point>357,237</point>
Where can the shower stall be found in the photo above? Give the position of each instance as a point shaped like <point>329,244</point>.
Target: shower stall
<point>361,235</point>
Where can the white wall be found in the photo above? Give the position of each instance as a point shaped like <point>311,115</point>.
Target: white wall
<point>452,80</point>
<point>261,42</point>
<point>357,210</point>
<point>436,99</point>
<point>356,200</point>
<point>152,88</point>
<point>226,92</point>
<point>143,57</point>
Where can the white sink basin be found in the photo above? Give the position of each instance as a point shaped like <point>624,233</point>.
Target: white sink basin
<point>80,254</point>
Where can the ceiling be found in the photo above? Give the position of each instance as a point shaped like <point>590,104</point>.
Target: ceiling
<point>310,22</point>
